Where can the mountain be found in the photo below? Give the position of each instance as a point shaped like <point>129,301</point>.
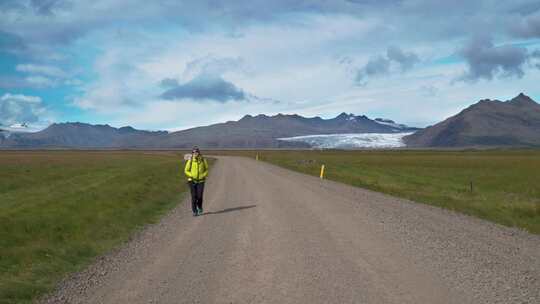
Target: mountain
<point>263,131</point>
<point>81,135</point>
<point>3,135</point>
<point>488,123</point>
<point>259,131</point>
<point>20,126</point>
<point>6,131</point>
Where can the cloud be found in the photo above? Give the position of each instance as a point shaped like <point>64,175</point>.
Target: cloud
<point>429,91</point>
<point>406,60</point>
<point>252,61</point>
<point>381,65</point>
<point>46,70</point>
<point>40,81</point>
<point>205,87</point>
<point>128,48</point>
<point>29,82</point>
<point>524,7</point>
<point>46,7</point>
<point>16,108</point>
<point>12,82</point>
<point>41,7</point>
<point>486,61</point>
<point>47,23</point>
<point>39,76</point>
<point>169,83</point>
<point>535,56</point>
<point>529,27</point>
<point>53,21</point>
<point>11,43</point>
<point>211,65</point>
<point>105,97</point>
<point>73,82</point>
<point>375,66</point>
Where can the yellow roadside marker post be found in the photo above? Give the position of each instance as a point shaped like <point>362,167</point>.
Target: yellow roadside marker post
<point>322,171</point>
<point>257,156</point>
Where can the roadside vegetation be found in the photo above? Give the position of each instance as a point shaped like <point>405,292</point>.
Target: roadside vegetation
<point>61,209</point>
<point>505,183</point>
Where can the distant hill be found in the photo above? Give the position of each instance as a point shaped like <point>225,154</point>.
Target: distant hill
<point>259,131</point>
<point>488,123</point>
<point>3,135</point>
<point>262,131</point>
<point>82,135</point>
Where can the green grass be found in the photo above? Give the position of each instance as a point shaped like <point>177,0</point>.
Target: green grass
<point>61,209</point>
<point>506,183</point>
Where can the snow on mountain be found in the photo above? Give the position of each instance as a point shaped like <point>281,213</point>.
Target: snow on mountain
<point>22,127</point>
<point>351,141</point>
<point>6,131</point>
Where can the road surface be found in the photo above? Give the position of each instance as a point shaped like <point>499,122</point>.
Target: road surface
<point>270,235</point>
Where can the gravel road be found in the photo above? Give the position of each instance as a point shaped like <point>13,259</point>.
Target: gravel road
<point>270,235</point>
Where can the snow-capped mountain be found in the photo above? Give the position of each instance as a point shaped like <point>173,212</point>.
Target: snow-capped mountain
<point>21,127</point>
<point>260,131</point>
<point>7,131</point>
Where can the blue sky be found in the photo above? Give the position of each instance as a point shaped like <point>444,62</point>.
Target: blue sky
<point>177,64</point>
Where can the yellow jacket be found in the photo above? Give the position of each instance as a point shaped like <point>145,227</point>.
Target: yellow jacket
<point>196,170</point>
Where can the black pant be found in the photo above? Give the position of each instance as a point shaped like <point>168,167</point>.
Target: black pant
<point>196,195</point>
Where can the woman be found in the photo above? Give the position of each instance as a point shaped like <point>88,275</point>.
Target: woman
<point>196,171</point>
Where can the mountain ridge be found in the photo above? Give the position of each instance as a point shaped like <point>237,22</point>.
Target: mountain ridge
<point>487,123</point>
<point>260,131</point>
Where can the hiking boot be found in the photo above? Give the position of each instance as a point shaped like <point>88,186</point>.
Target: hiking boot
<point>199,211</point>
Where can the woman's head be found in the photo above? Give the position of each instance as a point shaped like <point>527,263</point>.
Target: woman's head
<point>195,151</point>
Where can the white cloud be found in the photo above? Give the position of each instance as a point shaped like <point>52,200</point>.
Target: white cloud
<point>278,61</point>
<point>45,70</point>
<point>21,98</point>
<point>43,76</point>
<point>296,58</point>
<point>40,81</point>
<point>287,62</point>
<point>18,108</point>
<point>73,82</point>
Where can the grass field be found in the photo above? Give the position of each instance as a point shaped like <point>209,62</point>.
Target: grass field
<point>506,184</point>
<point>59,210</point>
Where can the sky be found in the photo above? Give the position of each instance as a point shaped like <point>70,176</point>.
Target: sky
<point>171,65</point>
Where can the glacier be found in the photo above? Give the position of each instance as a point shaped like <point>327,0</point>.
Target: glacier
<point>351,140</point>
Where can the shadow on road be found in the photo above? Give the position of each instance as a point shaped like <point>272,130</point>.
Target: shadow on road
<point>230,209</point>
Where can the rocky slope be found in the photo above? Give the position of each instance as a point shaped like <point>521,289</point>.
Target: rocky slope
<point>488,123</point>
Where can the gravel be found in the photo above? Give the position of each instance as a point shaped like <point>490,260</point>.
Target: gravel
<point>271,235</point>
